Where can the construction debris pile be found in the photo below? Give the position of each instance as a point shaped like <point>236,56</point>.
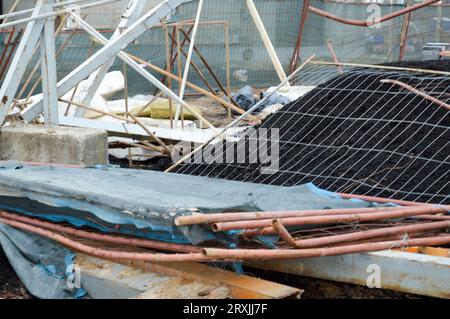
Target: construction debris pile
<point>261,165</point>
<point>215,225</point>
<point>359,133</point>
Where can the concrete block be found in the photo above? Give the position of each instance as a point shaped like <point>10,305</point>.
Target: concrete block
<point>55,144</point>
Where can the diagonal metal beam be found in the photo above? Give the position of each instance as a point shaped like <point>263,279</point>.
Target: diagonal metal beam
<point>134,11</point>
<point>110,50</point>
<point>20,62</point>
<point>139,69</point>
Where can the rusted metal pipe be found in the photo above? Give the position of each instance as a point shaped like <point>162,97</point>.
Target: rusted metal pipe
<point>298,44</point>
<point>404,34</point>
<point>284,233</point>
<point>359,23</point>
<point>418,92</point>
<point>102,237</point>
<point>261,254</point>
<point>103,253</point>
<point>330,219</point>
<point>208,66</point>
<point>10,53</point>
<point>366,23</point>
<point>5,48</point>
<point>288,238</point>
<point>334,56</point>
<point>195,67</point>
<point>382,200</point>
<point>360,235</point>
<point>226,217</point>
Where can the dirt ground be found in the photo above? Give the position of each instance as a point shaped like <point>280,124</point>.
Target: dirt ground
<point>10,285</point>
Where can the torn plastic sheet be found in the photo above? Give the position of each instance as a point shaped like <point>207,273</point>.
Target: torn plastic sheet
<point>42,265</point>
<point>145,203</point>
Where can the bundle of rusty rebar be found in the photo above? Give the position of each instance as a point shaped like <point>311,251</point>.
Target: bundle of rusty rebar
<point>322,233</point>
<point>398,226</point>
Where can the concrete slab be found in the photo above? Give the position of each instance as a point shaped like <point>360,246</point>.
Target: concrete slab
<point>54,144</point>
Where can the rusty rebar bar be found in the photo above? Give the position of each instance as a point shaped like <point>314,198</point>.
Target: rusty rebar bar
<point>334,56</point>
<point>356,236</point>
<point>261,254</point>
<point>198,218</point>
<point>367,23</point>
<point>136,242</point>
<point>266,224</point>
<point>6,47</point>
<point>103,253</point>
<point>418,92</point>
<point>382,200</point>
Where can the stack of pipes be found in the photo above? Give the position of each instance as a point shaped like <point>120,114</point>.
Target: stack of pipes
<point>352,231</point>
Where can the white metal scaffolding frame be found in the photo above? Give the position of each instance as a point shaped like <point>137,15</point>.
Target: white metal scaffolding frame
<point>131,26</point>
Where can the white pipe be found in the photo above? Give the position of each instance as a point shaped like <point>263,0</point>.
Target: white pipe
<point>55,13</point>
<point>188,60</point>
<point>138,68</point>
<point>27,11</point>
<point>266,40</point>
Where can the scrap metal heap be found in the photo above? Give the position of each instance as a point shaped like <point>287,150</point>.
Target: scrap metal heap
<point>136,217</point>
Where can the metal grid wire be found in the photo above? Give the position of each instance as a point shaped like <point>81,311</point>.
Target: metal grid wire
<point>247,53</point>
<point>354,134</point>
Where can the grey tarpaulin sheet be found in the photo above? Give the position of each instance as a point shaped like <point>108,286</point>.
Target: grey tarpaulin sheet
<point>42,265</point>
<point>144,203</point>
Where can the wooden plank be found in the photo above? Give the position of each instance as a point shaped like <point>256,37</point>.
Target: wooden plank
<point>241,286</point>
<point>104,279</point>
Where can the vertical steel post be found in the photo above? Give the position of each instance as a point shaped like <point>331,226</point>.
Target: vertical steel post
<point>48,68</point>
<point>298,45</point>
<point>20,62</point>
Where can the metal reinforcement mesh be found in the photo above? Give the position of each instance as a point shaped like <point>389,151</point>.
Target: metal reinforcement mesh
<point>353,134</point>
<point>249,61</point>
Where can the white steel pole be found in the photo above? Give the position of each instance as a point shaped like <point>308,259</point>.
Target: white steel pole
<point>48,70</point>
<point>266,40</point>
<point>188,60</point>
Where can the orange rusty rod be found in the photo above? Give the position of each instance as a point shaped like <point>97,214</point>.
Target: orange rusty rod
<point>330,219</point>
<point>284,233</point>
<point>226,217</point>
<point>382,200</point>
<point>356,236</point>
<point>335,58</point>
<point>364,23</point>
<point>268,254</point>
<point>136,242</point>
<point>270,230</point>
<point>103,253</point>
<point>6,47</point>
<point>10,53</point>
<point>418,92</point>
